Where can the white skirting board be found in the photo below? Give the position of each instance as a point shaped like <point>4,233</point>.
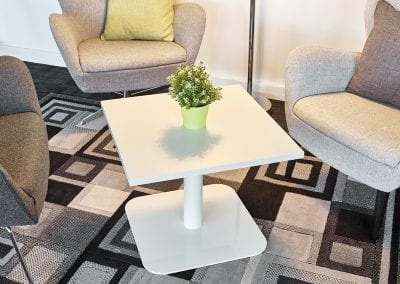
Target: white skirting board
<point>271,90</point>
<point>49,57</point>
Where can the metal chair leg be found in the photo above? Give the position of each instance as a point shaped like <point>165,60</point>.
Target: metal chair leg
<point>91,117</point>
<point>99,113</point>
<point>123,94</point>
<point>126,94</point>
<point>143,91</point>
<point>21,258</point>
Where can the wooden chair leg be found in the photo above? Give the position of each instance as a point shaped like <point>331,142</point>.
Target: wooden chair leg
<point>379,213</point>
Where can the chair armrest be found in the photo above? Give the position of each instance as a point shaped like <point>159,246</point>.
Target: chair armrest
<point>189,26</point>
<point>68,37</point>
<point>17,91</point>
<point>317,70</point>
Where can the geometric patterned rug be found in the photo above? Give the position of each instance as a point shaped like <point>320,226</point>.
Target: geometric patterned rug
<point>314,217</point>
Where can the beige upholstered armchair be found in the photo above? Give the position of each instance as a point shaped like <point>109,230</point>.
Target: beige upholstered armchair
<point>355,135</point>
<point>119,66</point>
<point>109,66</point>
<point>24,154</point>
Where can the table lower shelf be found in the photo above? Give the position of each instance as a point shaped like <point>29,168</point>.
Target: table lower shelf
<point>166,246</point>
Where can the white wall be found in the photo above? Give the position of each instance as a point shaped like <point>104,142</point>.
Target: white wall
<point>25,31</point>
<point>281,25</point>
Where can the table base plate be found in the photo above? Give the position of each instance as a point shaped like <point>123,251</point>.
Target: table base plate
<point>165,246</point>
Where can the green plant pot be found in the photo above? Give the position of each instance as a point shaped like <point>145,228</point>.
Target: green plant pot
<point>195,117</point>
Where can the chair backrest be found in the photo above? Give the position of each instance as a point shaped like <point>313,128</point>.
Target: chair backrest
<point>91,14</point>
<point>370,7</point>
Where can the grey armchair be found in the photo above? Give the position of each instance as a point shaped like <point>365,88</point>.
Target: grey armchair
<point>111,66</point>
<point>119,66</point>
<point>24,156</point>
<point>357,136</point>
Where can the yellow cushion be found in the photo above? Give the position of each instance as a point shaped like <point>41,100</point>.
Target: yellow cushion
<point>139,19</point>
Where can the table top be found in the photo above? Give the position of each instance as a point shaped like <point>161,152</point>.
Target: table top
<point>154,146</point>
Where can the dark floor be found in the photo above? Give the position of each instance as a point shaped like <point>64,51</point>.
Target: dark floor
<point>49,78</point>
<point>345,222</point>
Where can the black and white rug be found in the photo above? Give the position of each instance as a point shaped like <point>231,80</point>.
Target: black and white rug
<point>315,218</point>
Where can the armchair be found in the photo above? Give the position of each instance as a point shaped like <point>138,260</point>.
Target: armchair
<point>355,135</point>
<point>24,156</point>
<point>119,66</point>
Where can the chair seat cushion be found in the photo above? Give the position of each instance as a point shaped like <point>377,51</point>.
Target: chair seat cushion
<point>96,55</point>
<point>24,153</point>
<point>365,126</point>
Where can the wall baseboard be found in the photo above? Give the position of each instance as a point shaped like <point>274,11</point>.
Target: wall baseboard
<point>33,55</point>
<point>272,90</point>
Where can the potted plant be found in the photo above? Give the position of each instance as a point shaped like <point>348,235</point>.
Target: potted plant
<point>191,88</point>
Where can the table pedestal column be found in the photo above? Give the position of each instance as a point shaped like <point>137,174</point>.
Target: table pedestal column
<point>193,203</point>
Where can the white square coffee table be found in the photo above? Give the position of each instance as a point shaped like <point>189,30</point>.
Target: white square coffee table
<point>200,225</point>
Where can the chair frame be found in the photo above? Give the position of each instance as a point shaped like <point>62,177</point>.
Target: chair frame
<point>19,254</point>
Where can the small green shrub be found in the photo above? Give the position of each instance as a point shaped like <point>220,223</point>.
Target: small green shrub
<point>190,86</point>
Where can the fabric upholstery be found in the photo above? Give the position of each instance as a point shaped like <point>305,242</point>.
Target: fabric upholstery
<point>370,7</point>
<point>378,72</point>
<point>68,35</point>
<point>89,15</point>
<point>24,157</point>
<point>139,19</point>
<point>317,70</point>
<point>350,162</point>
<point>365,126</point>
<point>17,207</point>
<point>189,26</point>
<point>84,19</point>
<point>17,92</point>
<point>123,80</point>
<point>96,55</point>
<point>25,160</point>
<point>312,72</point>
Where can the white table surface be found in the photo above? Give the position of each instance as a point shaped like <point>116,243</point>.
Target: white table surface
<point>154,146</point>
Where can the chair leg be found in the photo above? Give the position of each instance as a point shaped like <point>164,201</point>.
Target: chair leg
<point>126,94</point>
<point>123,94</point>
<point>379,213</point>
<point>21,258</point>
<point>93,116</point>
<point>99,113</point>
<point>143,91</point>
